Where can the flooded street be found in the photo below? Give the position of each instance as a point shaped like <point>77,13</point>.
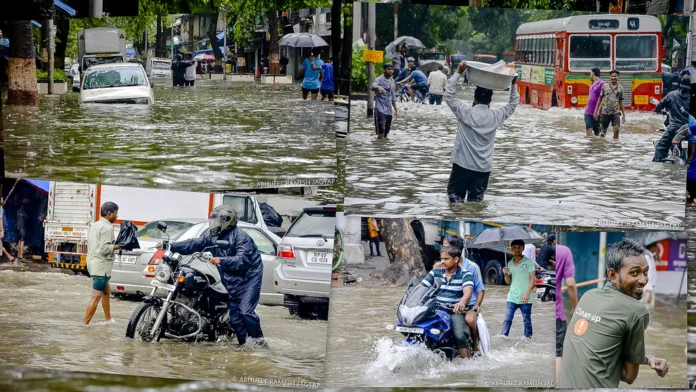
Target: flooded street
<point>41,325</point>
<point>362,352</point>
<point>215,135</point>
<point>545,169</point>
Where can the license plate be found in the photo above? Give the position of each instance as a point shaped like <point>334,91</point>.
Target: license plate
<point>161,285</point>
<point>640,99</point>
<point>67,229</point>
<point>128,259</point>
<point>321,257</point>
<point>582,99</point>
<point>685,144</point>
<point>540,292</point>
<point>409,330</point>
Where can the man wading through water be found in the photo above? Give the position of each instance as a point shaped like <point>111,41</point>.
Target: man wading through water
<point>605,341</point>
<point>100,260</point>
<point>385,101</point>
<point>472,158</point>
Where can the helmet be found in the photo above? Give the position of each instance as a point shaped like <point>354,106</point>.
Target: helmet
<point>411,60</point>
<point>222,219</point>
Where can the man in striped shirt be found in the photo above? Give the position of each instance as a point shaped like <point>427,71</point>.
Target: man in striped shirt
<point>454,295</point>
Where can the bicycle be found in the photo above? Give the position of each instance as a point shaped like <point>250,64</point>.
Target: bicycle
<point>404,96</point>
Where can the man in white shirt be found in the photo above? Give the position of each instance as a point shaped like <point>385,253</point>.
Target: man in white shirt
<point>530,252</point>
<point>437,81</point>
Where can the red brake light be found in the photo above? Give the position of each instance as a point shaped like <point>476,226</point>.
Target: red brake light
<point>539,281</point>
<point>286,252</point>
<point>157,257</point>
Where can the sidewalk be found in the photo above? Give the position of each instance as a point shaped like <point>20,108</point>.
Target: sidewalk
<point>367,274</point>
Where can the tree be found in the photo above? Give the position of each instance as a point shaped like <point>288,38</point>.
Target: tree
<point>22,70</point>
<point>539,4</point>
<point>404,252</point>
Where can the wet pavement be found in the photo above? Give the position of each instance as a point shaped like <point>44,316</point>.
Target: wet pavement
<point>362,352</point>
<point>545,169</point>
<point>41,327</point>
<point>215,135</point>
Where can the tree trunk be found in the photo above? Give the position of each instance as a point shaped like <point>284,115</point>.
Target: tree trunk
<point>212,36</point>
<point>159,37</point>
<point>63,30</point>
<point>21,89</point>
<point>405,256</point>
<point>273,48</point>
<point>336,16</point>
<point>191,35</point>
<point>346,50</point>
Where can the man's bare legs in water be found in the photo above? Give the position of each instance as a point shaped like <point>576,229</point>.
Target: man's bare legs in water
<point>105,298</point>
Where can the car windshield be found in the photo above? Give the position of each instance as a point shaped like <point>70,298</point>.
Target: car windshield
<point>314,224</point>
<point>115,77</point>
<point>174,229</point>
<point>161,65</point>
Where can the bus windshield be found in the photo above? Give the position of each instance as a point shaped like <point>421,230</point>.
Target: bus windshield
<point>590,51</point>
<point>636,53</point>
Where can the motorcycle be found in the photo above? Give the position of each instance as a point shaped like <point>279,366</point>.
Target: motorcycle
<point>546,286</point>
<point>196,306</point>
<point>678,153</point>
<point>422,322</point>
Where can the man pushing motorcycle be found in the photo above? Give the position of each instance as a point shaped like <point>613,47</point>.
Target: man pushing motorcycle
<point>240,266</point>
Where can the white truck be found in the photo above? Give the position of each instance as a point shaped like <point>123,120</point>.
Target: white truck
<point>72,207</point>
<point>158,67</point>
<point>100,45</point>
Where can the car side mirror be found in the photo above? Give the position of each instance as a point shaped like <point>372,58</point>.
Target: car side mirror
<point>222,244</point>
<point>162,226</point>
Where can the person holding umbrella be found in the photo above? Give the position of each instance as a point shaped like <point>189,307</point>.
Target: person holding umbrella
<point>313,74</point>
<point>520,274</point>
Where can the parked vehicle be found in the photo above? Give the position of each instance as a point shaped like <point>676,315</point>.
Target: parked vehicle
<point>74,73</point>
<point>428,62</point>
<point>100,45</point>
<point>124,83</point>
<point>305,257</point>
<point>546,286</point>
<point>159,67</point>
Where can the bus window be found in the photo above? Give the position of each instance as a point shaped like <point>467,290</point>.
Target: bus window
<point>636,53</point>
<point>549,46</point>
<point>590,51</point>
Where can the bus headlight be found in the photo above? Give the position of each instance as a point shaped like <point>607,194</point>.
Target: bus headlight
<point>574,100</point>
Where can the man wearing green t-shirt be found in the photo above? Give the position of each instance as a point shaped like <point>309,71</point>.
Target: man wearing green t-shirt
<point>520,274</point>
<point>605,342</point>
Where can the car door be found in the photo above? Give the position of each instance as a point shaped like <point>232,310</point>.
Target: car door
<point>267,248</point>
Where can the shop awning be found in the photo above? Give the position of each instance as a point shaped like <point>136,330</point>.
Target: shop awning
<point>41,186</point>
<point>65,8</point>
<point>36,24</point>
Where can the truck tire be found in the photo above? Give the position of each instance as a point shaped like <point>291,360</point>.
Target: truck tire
<point>493,273</point>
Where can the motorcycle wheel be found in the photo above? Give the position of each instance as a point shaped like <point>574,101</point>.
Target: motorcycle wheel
<point>139,325</point>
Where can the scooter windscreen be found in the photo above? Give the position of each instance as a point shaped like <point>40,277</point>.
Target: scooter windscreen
<point>418,303</point>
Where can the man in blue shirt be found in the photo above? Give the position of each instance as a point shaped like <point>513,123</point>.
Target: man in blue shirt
<point>479,290</point>
<point>311,67</point>
<point>416,81</point>
<point>385,101</point>
<point>410,66</point>
<point>327,83</point>
<point>454,295</point>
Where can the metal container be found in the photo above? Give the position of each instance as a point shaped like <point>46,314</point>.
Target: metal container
<point>480,77</point>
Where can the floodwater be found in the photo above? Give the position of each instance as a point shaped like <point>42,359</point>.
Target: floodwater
<point>216,135</point>
<point>545,169</point>
<point>666,338</point>
<point>362,352</point>
<point>41,327</point>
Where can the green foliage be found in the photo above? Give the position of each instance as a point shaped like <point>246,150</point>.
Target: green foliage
<point>674,28</point>
<point>358,73</point>
<point>58,76</point>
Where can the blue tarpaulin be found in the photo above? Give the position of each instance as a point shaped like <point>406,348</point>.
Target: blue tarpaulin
<point>131,52</point>
<point>208,51</point>
<point>36,24</point>
<point>42,186</point>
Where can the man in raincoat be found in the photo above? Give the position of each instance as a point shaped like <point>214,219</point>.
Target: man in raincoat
<point>676,104</point>
<point>240,267</point>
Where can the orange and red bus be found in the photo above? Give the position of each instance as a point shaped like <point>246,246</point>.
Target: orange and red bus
<point>554,59</point>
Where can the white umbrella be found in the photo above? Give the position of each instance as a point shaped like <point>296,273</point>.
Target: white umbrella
<point>502,236</point>
<point>411,43</point>
<point>302,40</point>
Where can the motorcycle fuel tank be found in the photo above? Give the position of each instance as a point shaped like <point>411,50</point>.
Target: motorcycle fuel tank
<point>195,280</point>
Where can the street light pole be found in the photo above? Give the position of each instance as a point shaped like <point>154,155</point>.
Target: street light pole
<point>371,22</point>
<point>224,46</point>
<point>51,63</point>
<point>95,8</point>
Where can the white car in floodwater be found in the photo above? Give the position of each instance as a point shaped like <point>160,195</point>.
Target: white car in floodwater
<point>116,83</point>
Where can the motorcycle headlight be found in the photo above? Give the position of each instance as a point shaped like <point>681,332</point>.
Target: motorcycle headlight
<point>163,273</point>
